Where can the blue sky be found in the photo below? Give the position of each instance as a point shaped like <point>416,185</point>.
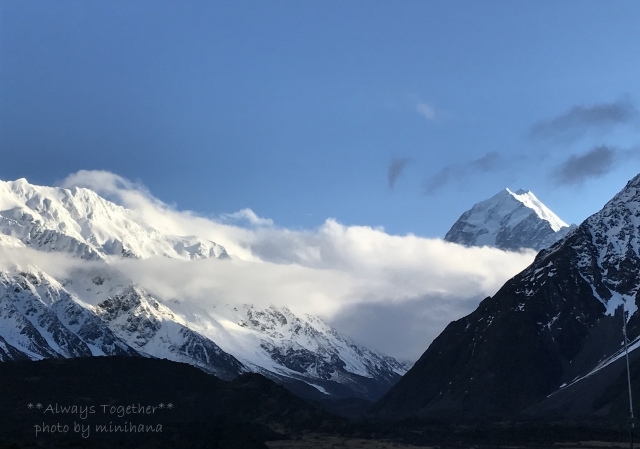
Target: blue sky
<point>392,114</point>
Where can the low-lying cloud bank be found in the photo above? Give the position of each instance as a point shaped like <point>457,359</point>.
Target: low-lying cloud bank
<point>391,293</point>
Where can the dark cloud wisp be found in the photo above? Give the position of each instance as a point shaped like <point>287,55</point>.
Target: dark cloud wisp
<point>579,119</point>
<point>440,179</point>
<point>396,167</point>
<point>489,162</point>
<point>594,163</point>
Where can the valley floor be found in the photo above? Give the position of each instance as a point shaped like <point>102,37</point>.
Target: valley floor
<point>328,441</point>
<point>314,441</point>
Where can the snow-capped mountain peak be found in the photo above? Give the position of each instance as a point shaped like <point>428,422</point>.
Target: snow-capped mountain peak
<point>80,222</point>
<point>508,220</point>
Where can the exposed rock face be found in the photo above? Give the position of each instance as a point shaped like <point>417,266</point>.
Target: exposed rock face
<point>546,328</point>
<point>153,329</point>
<point>309,350</point>
<point>39,319</point>
<point>510,221</point>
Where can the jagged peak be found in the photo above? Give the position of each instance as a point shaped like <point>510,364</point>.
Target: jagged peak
<point>635,181</point>
<point>629,193</point>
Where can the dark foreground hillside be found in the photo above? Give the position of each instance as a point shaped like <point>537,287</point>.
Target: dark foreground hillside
<point>120,402</point>
<point>141,402</point>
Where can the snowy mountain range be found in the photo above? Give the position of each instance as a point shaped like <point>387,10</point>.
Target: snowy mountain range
<point>80,222</point>
<point>96,310</point>
<point>549,341</point>
<point>510,221</point>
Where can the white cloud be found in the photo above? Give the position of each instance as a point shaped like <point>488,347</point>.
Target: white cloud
<point>426,110</point>
<point>249,216</point>
<point>369,283</point>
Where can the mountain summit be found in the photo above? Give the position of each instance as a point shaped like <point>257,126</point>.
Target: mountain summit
<point>510,221</point>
